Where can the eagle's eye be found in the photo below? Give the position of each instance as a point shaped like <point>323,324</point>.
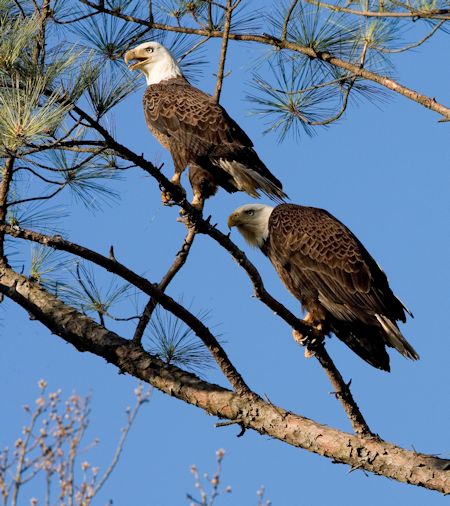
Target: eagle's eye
<point>250,212</point>
<point>149,49</point>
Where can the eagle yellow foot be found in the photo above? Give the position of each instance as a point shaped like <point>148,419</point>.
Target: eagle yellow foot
<point>167,199</point>
<point>186,219</point>
<point>312,339</point>
<point>166,196</point>
<point>302,341</point>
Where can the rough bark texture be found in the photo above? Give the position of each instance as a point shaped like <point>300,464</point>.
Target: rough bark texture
<point>370,454</point>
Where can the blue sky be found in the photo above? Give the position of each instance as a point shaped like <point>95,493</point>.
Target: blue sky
<point>384,172</point>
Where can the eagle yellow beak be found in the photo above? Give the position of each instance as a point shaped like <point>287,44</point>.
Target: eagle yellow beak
<point>233,220</point>
<point>133,54</point>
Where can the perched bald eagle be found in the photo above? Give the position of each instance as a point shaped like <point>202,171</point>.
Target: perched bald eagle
<point>197,131</point>
<point>331,273</point>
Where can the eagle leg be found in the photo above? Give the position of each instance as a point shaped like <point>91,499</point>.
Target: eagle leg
<point>309,341</point>
<point>198,201</point>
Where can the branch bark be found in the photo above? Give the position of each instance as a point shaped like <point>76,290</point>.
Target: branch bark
<point>390,84</point>
<point>7,174</point>
<point>147,287</point>
<point>372,455</point>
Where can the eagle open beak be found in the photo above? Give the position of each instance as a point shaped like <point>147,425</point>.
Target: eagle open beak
<point>131,55</point>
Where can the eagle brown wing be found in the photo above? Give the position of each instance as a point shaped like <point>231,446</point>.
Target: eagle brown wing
<point>319,259</point>
<point>195,129</point>
<point>191,120</point>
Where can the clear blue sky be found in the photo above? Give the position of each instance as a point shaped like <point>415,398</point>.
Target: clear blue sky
<point>382,171</point>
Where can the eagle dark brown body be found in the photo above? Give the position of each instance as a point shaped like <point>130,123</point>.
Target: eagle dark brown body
<point>198,132</point>
<point>337,281</point>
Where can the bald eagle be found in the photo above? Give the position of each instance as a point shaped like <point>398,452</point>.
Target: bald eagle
<point>197,131</point>
<point>331,273</point>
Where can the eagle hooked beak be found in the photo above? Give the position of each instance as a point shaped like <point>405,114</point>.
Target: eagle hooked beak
<point>133,55</point>
<point>232,220</point>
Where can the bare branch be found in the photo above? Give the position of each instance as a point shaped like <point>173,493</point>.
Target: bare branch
<point>19,6</point>
<point>223,50</point>
<point>23,447</point>
<point>416,44</point>
<point>287,20</point>
<point>342,393</point>
<point>141,399</point>
<point>180,260</point>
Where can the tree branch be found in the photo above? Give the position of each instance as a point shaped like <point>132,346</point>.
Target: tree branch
<point>223,50</point>
<point>180,260</point>
<point>287,19</point>
<point>7,173</point>
<point>372,455</point>
<point>415,44</point>
<point>443,14</point>
<point>342,393</point>
<point>390,84</point>
<point>204,227</point>
<point>57,242</point>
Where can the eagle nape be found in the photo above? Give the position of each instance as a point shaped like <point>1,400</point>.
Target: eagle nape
<point>324,265</point>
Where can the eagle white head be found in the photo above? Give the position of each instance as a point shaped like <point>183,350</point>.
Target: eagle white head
<point>154,61</point>
<point>252,221</point>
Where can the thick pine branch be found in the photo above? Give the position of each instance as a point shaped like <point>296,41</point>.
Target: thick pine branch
<point>372,455</point>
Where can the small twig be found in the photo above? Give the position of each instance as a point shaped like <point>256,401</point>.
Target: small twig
<point>287,20</point>
<point>180,260</point>
<point>416,44</point>
<point>425,14</point>
<point>19,6</point>
<point>142,398</point>
<point>45,197</point>
<point>210,18</point>
<point>17,480</point>
<point>228,423</point>
<point>223,50</point>
<point>74,20</point>
<point>343,393</point>
<point>193,48</point>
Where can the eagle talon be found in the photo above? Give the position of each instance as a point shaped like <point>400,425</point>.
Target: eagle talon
<point>310,341</point>
<point>167,198</point>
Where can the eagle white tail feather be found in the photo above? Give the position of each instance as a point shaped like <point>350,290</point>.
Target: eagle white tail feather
<point>250,181</point>
<point>396,339</point>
